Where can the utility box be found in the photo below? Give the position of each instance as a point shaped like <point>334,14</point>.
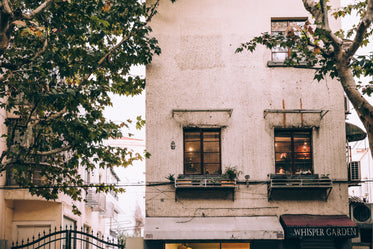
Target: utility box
<point>4,244</point>
<point>135,243</point>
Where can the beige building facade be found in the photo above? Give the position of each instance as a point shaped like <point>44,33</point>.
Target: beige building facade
<point>210,109</point>
<point>23,216</point>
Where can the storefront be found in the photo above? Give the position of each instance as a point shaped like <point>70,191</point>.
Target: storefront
<point>213,233</point>
<point>318,231</point>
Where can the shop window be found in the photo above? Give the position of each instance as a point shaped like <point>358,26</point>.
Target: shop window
<point>293,152</point>
<point>202,151</point>
<point>281,27</point>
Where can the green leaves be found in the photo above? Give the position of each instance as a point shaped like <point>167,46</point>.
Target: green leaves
<point>57,70</point>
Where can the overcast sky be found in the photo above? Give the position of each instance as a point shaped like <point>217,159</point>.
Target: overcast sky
<point>128,108</point>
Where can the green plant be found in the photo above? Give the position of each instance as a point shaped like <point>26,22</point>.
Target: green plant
<point>231,172</point>
<point>213,180</point>
<point>171,177</point>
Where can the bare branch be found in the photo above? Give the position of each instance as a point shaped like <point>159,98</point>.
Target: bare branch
<point>39,9</point>
<point>361,30</point>
<point>55,151</point>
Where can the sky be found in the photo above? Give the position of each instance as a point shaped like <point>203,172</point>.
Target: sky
<point>128,108</point>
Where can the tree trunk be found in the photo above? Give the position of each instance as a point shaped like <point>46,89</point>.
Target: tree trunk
<point>4,29</point>
<point>363,108</point>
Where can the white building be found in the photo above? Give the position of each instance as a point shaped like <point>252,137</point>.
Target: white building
<point>132,179</point>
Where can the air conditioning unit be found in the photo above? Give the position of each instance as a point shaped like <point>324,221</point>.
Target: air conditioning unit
<point>355,171</point>
<point>361,213</point>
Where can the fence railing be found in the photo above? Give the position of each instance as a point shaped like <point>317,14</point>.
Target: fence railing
<point>69,238</point>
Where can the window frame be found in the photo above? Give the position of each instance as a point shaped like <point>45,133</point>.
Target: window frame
<point>201,152</point>
<point>294,153</point>
<point>288,21</point>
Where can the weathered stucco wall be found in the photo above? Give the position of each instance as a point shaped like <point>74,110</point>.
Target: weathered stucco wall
<point>198,69</point>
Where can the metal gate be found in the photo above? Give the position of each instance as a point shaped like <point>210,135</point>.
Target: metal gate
<point>67,239</point>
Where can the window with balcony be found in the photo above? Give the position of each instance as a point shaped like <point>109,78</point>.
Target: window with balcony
<point>202,151</point>
<point>281,27</point>
<point>293,152</point>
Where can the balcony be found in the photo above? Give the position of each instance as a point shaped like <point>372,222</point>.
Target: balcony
<point>97,201</point>
<point>35,178</point>
<point>299,187</point>
<point>209,185</point>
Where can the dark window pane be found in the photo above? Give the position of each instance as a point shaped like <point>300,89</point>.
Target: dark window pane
<point>211,146</point>
<point>211,158</point>
<point>193,168</point>
<point>211,136</point>
<point>293,152</point>
<point>192,136</point>
<point>202,144</point>
<point>212,169</point>
<point>192,158</point>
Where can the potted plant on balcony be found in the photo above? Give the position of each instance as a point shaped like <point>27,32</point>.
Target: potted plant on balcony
<point>230,175</point>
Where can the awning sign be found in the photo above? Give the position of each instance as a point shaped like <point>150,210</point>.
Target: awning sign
<point>321,232</point>
<point>318,226</point>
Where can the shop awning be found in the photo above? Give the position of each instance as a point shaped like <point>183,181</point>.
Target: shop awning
<point>318,226</point>
<point>213,228</point>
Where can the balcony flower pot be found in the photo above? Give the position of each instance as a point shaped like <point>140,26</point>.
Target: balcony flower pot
<point>227,183</point>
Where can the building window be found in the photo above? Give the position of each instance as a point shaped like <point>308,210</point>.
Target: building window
<point>279,27</point>
<point>293,152</point>
<point>202,151</point>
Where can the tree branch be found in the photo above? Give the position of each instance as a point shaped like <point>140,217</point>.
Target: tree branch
<point>57,114</point>
<point>152,11</point>
<point>314,45</point>
<point>322,21</point>
<point>37,10</point>
<point>6,7</point>
<point>42,50</point>
<point>55,151</point>
<point>361,30</point>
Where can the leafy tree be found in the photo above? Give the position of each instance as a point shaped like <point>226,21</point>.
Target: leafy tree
<point>331,53</point>
<point>60,59</point>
